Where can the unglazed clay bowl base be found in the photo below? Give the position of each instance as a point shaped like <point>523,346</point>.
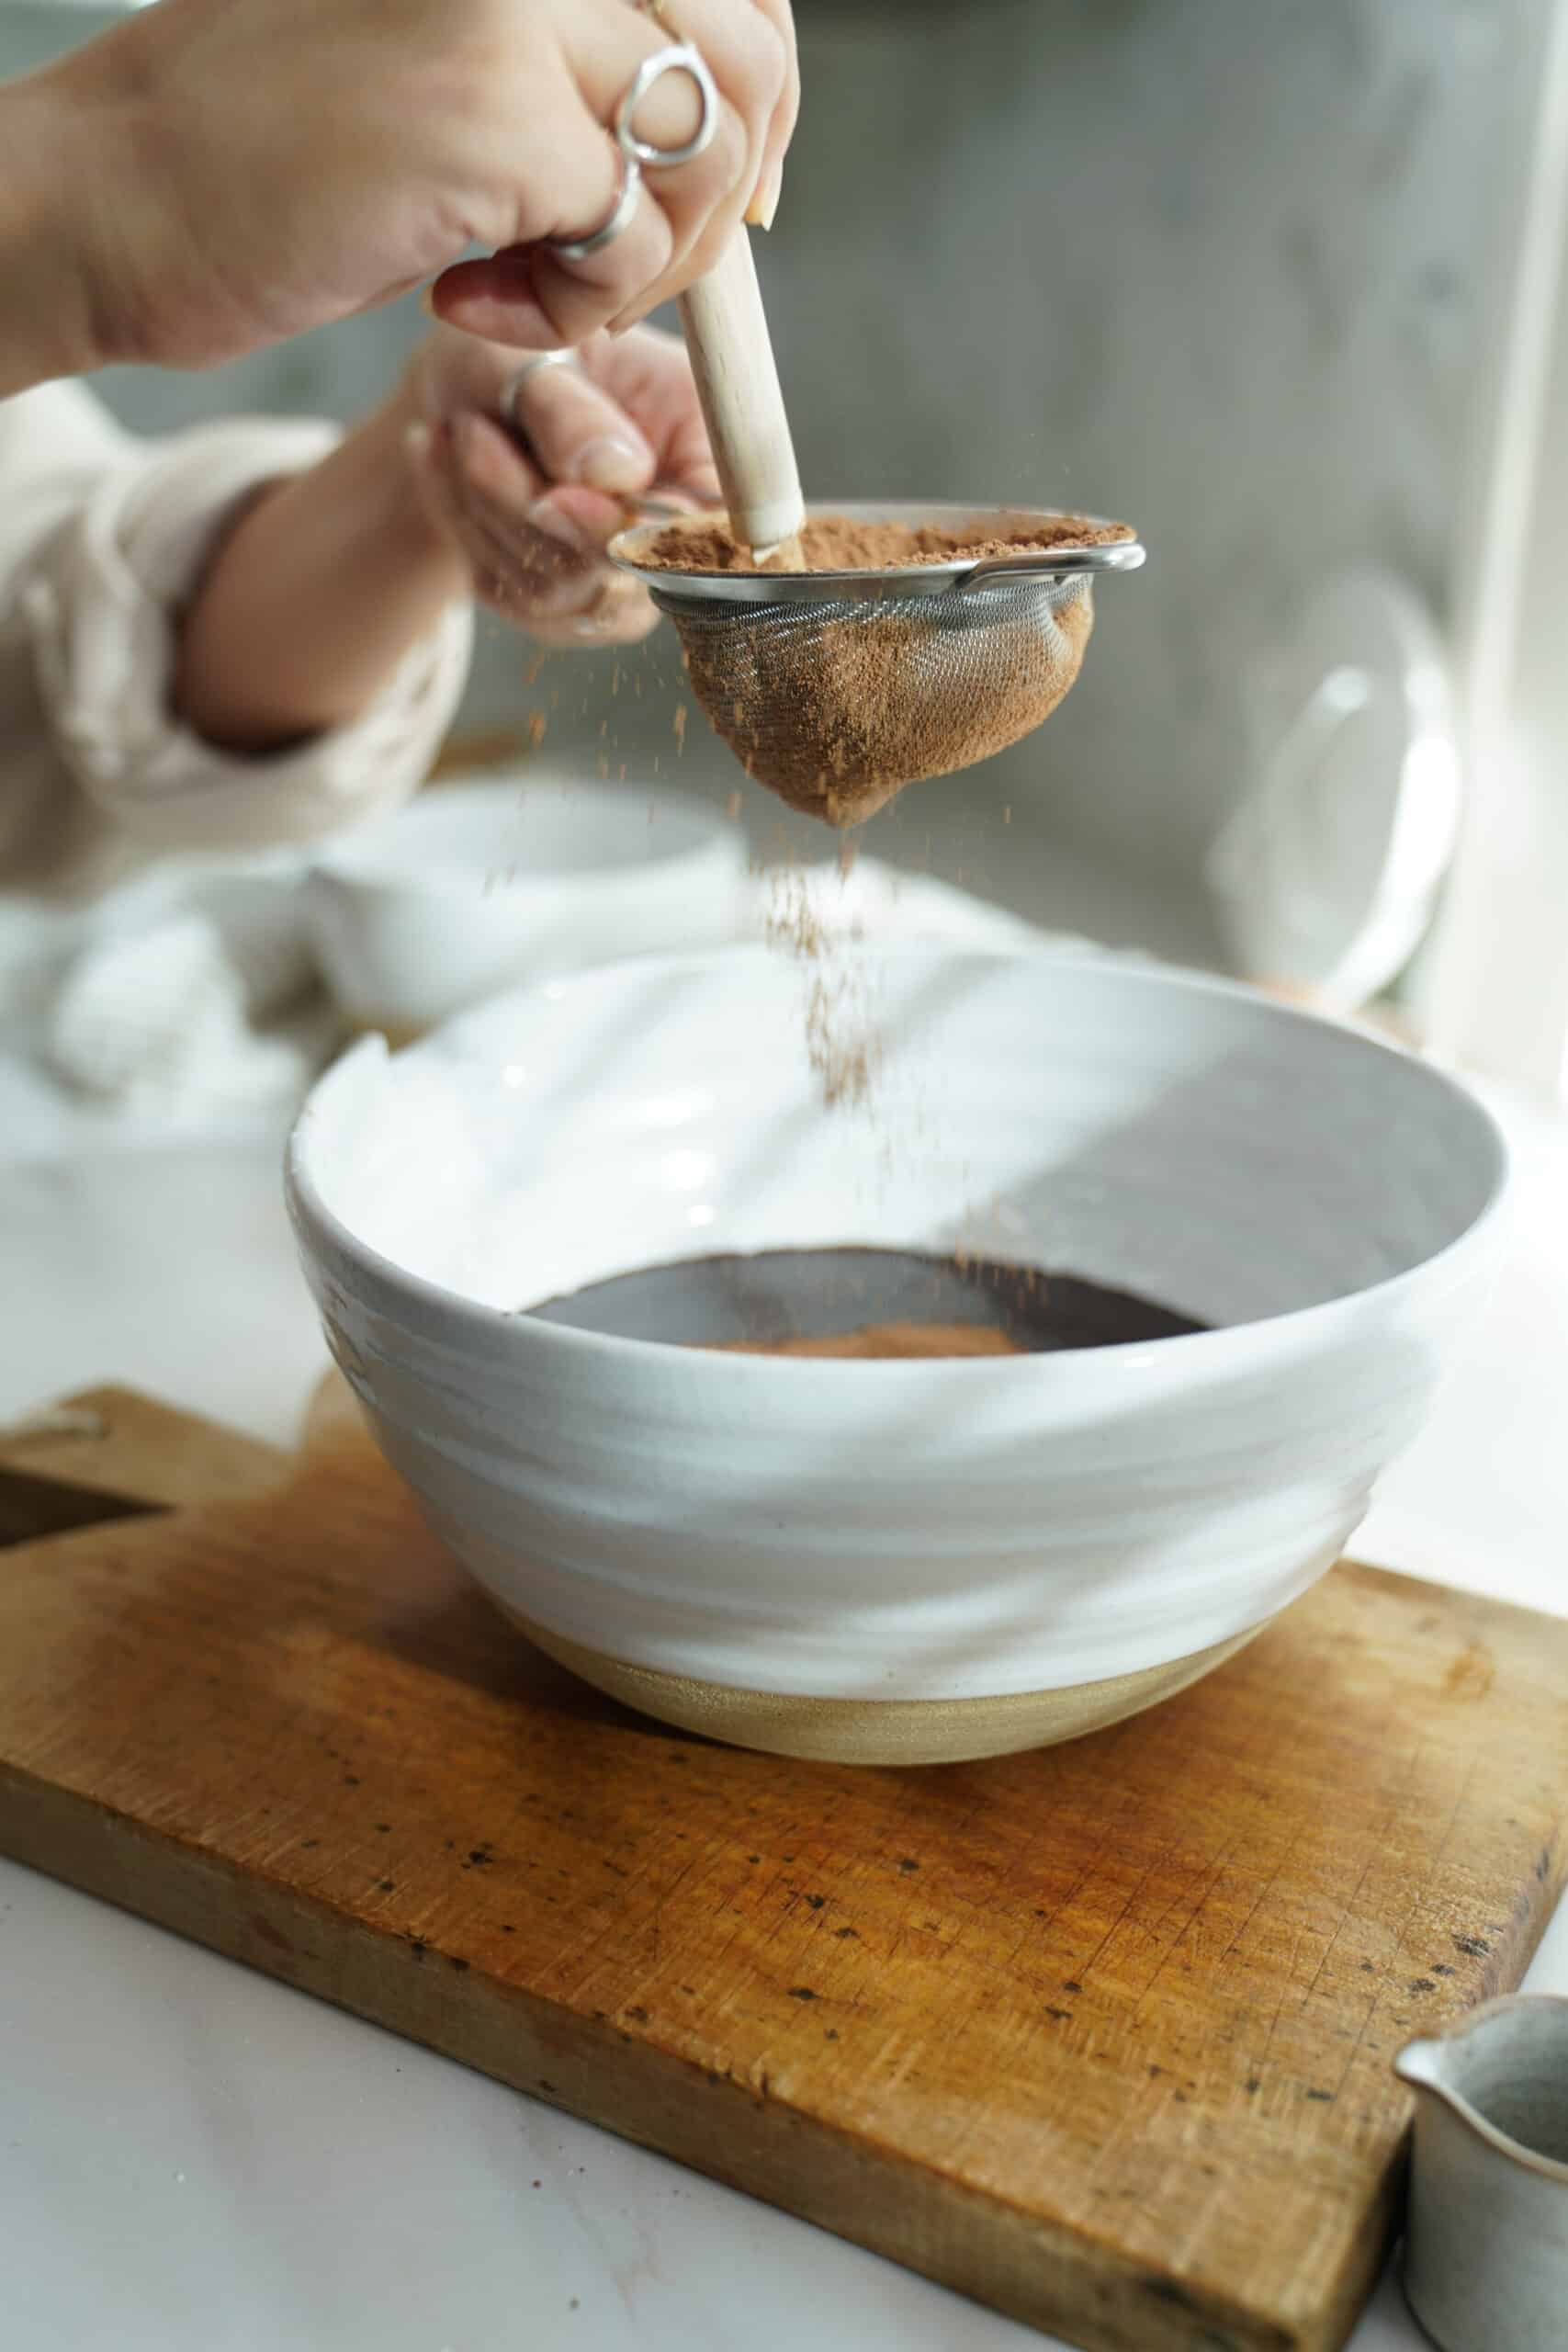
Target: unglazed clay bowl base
<point>813,1555</point>
<point>880,1731</point>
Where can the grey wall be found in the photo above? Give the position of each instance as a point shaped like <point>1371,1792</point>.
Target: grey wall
<point>1213,266</point>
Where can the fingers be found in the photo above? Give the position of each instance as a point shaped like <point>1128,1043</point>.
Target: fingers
<point>758,65</point>
<point>578,433</point>
<point>536,554</point>
<point>764,203</point>
<point>530,296</point>
<point>649,375</point>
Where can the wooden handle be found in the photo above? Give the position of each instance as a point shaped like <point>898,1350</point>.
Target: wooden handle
<point>738,383</point>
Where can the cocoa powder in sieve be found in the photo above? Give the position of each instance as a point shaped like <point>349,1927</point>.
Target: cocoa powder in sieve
<point>837,708</point>
<point>836,716</point>
<point>839,543</point>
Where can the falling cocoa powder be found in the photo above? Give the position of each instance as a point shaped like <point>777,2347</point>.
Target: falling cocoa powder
<point>840,543</point>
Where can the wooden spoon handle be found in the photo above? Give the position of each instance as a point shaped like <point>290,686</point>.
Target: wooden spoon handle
<point>738,383</point>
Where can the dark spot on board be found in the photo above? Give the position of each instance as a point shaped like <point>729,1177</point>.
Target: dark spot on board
<point>715,2078</point>
<point>676,1757</point>
<point>1252,2085</point>
<point>638,2014</point>
<point>351,1779</point>
<point>1421,1985</point>
<point>1072,1986</point>
<point>306,1844</point>
<point>460,1966</point>
<point>269,1934</point>
<point>1155,2073</point>
<point>1543,1864</point>
<point>831,2033</point>
<point>448,1843</point>
<point>1181,2097</point>
<point>906,1862</point>
<point>1063,2016</point>
<point>1442,1968</point>
<point>548,2088</point>
<point>388,1885</point>
<point>383,1829</point>
<point>1040,1915</point>
<point>802,1993</point>
<point>1167,2290</point>
<point>535,2183</point>
<point>479,1856</point>
<point>815,1901</point>
<point>1323,2098</point>
<point>418,1946</point>
<point>1472,1946</point>
<point>1367,1969</point>
<point>843,1935</point>
<point>753,1858</point>
<point>507,1928</point>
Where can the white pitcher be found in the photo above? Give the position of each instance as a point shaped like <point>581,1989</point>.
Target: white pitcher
<point>1487,2244</point>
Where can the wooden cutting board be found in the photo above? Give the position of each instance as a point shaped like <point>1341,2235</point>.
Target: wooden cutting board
<point>1100,2036</point>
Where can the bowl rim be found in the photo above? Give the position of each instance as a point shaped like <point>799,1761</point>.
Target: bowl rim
<point>320,1225</point>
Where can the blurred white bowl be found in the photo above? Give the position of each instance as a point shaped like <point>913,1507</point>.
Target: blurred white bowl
<point>910,1561</point>
<point>478,885</point>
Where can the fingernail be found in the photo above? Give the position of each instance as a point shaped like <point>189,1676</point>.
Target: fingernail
<point>764,202</point>
<point>416,440</point>
<point>548,518</point>
<point>610,463</point>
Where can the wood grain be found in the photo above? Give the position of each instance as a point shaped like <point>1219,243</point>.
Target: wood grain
<point>1098,2035</point>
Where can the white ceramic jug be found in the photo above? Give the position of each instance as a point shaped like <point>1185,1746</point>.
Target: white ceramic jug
<point>1486,2244</point>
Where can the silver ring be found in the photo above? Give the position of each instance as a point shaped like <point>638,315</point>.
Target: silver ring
<point>511,390</point>
<point>620,213</point>
<point>639,155</point>
<point>681,57</point>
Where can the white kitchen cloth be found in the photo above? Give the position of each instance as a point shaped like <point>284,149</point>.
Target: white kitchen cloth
<point>179,1004</point>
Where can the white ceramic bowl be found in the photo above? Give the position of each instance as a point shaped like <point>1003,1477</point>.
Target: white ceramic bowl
<point>895,1561</point>
<point>477,886</point>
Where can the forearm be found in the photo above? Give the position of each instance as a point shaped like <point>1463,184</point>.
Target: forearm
<point>48,322</point>
<point>322,587</point>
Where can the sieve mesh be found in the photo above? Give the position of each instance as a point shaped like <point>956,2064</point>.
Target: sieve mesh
<point>836,703</point>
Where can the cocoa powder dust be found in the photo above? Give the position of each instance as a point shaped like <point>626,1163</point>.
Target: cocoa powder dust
<point>836,705</point>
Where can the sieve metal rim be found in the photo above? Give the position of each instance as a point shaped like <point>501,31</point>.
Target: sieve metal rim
<point>976,521</point>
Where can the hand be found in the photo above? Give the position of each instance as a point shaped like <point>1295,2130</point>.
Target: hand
<point>532,521</point>
<point>219,173</point>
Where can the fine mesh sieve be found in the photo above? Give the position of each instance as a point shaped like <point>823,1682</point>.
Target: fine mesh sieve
<point>837,688</point>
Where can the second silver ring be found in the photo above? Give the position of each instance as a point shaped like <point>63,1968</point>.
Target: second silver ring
<point>512,391</point>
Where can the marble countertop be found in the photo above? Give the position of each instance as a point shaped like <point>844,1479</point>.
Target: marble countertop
<point>193,2159</point>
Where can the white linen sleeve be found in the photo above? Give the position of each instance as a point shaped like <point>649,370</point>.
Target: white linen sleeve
<point>102,604</point>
